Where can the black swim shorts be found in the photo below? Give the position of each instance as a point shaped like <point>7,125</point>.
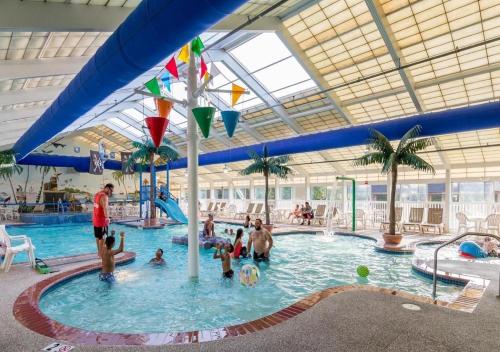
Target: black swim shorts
<point>260,257</point>
<point>228,274</point>
<point>99,232</point>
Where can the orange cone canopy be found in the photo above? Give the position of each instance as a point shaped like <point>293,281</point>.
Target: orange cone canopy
<point>163,107</point>
<point>156,126</point>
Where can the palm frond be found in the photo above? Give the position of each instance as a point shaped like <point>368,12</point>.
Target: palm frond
<point>416,145</point>
<point>369,159</point>
<point>255,156</point>
<point>167,152</point>
<point>255,168</point>
<point>389,163</point>
<point>416,163</point>
<point>280,160</point>
<point>380,142</point>
<point>281,171</point>
<point>409,136</point>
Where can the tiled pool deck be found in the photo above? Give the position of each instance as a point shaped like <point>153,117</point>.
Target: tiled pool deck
<point>312,309</point>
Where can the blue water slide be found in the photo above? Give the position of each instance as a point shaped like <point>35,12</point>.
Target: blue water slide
<point>172,209</point>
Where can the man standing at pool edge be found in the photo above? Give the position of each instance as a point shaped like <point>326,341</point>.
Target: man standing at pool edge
<point>262,242</point>
<point>100,217</point>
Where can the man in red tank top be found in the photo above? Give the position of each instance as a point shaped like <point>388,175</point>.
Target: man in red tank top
<point>100,217</point>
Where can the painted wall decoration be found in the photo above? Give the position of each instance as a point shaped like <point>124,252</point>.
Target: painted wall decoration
<point>96,163</point>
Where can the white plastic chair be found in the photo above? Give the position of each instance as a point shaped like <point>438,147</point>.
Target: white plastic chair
<point>11,251</point>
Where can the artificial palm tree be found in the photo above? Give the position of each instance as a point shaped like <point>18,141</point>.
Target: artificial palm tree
<point>145,154</point>
<point>266,165</point>
<point>390,158</point>
<point>9,168</point>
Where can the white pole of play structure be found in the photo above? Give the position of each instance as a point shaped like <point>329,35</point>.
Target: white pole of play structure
<point>192,155</point>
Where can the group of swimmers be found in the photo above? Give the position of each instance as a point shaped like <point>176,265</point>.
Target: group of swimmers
<point>259,238</point>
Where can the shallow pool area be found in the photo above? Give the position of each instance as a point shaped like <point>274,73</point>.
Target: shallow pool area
<point>159,299</point>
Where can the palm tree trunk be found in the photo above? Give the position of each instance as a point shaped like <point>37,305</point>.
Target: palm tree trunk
<point>266,194</point>
<point>152,208</point>
<point>26,185</point>
<point>39,195</point>
<point>392,203</point>
<point>13,190</point>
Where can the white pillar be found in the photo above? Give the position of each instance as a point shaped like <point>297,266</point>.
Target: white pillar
<point>192,152</point>
<point>276,192</point>
<point>307,193</point>
<point>447,201</point>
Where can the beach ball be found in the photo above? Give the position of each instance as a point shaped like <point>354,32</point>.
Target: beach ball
<point>249,275</point>
<point>363,271</point>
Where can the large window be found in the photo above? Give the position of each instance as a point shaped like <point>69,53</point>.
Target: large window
<point>221,193</point>
<point>242,193</point>
<point>259,193</point>
<point>319,192</point>
<point>472,191</point>
<point>379,193</point>
<point>286,193</point>
<point>204,193</point>
<point>435,192</point>
<point>411,193</point>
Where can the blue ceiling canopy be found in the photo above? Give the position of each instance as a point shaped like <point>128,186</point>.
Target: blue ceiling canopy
<point>154,30</point>
<point>477,117</point>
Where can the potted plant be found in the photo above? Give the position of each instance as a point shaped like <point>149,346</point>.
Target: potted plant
<point>266,165</point>
<point>382,152</point>
<point>145,154</point>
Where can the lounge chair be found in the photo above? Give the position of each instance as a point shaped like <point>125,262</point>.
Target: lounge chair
<point>258,211</point>
<point>11,250</point>
<point>414,220</point>
<point>434,221</point>
<point>492,224</point>
<point>360,218</point>
<point>216,208</point>
<point>208,210</point>
<point>248,212</point>
<point>320,214</point>
<point>222,208</point>
<point>40,208</point>
<point>384,225</point>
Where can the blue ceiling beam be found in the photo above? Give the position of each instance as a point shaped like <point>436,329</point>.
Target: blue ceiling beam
<point>152,32</point>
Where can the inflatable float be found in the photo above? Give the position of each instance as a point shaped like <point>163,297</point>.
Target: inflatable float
<point>472,250</point>
<point>204,242</point>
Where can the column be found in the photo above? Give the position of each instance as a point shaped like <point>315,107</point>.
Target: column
<point>308,189</point>
<point>447,215</point>
<point>192,153</point>
<point>276,192</point>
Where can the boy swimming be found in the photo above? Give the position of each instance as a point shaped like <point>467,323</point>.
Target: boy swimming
<point>158,259</point>
<point>225,257</point>
<point>108,257</point>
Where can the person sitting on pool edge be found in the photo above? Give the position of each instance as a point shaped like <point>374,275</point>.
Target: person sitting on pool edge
<point>209,227</point>
<point>108,257</point>
<point>225,257</point>
<point>262,242</point>
<point>158,259</point>
<point>247,223</point>
<point>307,213</point>
<point>490,247</point>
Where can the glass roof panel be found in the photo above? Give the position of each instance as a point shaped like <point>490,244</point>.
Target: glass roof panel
<point>178,119</point>
<point>133,113</point>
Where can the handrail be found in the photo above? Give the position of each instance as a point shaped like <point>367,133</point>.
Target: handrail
<point>434,275</point>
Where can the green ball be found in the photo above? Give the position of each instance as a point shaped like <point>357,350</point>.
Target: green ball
<point>363,271</point>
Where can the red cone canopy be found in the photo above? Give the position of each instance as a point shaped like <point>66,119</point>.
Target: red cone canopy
<point>163,107</point>
<point>157,127</point>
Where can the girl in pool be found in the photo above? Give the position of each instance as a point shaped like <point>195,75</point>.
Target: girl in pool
<point>239,249</point>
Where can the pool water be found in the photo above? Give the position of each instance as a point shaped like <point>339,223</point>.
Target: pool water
<point>159,299</point>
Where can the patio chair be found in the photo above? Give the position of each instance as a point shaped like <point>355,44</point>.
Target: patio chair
<point>463,223</point>
<point>222,208</point>
<point>258,211</point>
<point>40,208</point>
<point>434,221</point>
<point>216,208</point>
<point>11,250</point>
<point>384,225</point>
<point>320,214</point>
<point>414,220</point>
<point>360,218</point>
<point>492,224</point>
<point>241,215</point>
<point>208,210</point>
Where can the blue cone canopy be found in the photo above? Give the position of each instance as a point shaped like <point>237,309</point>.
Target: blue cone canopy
<point>230,118</point>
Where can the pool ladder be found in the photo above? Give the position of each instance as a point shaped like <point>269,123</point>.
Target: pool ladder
<point>434,275</point>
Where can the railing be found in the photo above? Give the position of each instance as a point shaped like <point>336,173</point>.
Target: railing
<point>434,274</point>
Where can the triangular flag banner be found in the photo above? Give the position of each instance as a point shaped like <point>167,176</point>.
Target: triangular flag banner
<point>163,107</point>
<point>236,92</point>
<point>156,127</point>
<point>203,68</point>
<point>165,78</point>
<point>197,46</point>
<point>230,118</point>
<point>214,71</point>
<point>153,86</point>
<point>184,54</point>
<point>204,116</point>
<point>171,67</point>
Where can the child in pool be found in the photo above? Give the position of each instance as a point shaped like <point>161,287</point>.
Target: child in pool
<point>108,256</point>
<point>158,259</point>
<point>239,249</point>
<point>225,257</point>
